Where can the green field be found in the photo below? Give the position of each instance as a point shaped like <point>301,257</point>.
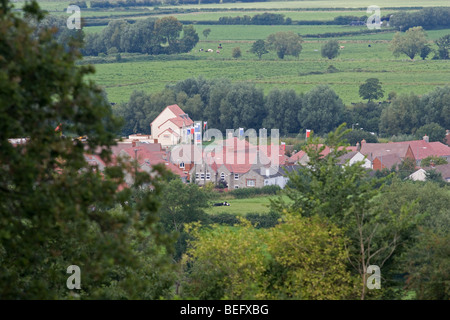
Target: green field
<point>323,4</point>
<point>241,207</point>
<point>356,63</point>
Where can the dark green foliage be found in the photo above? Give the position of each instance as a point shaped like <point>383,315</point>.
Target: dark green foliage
<point>371,89</point>
<point>265,220</point>
<point>443,44</point>
<point>236,53</point>
<point>355,136</point>
<point>426,50</point>
<point>283,107</point>
<point>330,49</point>
<point>434,132</point>
<point>407,113</point>
<point>250,192</point>
<point>160,36</point>
<point>285,43</point>
<point>432,160</point>
<point>259,48</point>
<point>428,18</point>
<point>322,110</point>
<point>57,210</point>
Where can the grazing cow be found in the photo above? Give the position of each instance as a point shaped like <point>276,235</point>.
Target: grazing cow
<point>210,50</point>
<point>341,47</point>
<point>370,46</point>
<point>221,204</point>
<point>217,51</point>
<point>200,50</point>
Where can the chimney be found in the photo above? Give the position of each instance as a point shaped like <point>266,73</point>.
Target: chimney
<point>362,142</point>
<point>426,138</point>
<point>133,142</point>
<point>358,146</point>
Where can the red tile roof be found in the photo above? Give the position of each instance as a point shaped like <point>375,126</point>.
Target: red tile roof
<point>175,109</point>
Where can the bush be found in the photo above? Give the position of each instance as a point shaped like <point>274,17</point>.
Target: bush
<point>236,53</point>
<point>251,192</point>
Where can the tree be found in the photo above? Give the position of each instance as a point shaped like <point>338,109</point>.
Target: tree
<point>308,260</point>
<point>406,167</point>
<point>434,132</point>
<point>410,43</point>
<point>168,28</point>
<point>426,50</point>
<point>356,136</point>
<point>435,107</point>
<point>282,107</point>
<point>330,49</point>
<point>236,53</point>
<point>285,43</point>
<point>287,261</point>
<point>424,257</point>
<point>322,110</point>
<point>401,116</point>
<point>371,89</point>
<point>180,204</point>
<point>345,196</point>
<point>443,44</point>
<point>206,32</point>
<point>223,262</point>
<point>435,160</point>
<point>259,48</point>
<point>57,210</point>
<point>189,40</point>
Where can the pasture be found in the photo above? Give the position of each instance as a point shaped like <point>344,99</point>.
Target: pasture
<point>356,62</point>
<point>240,207</point>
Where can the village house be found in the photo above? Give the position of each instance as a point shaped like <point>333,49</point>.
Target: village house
<point>386,155</point>
<point>235,163</point>
<point>171,126</point>
<point>421,174</point>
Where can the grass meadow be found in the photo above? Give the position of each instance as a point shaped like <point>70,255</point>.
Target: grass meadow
<point>356,62</point>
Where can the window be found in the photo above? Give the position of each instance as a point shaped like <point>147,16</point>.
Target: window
<point>236,187</point>
<point>182,165</point>
<point>251,182</point>
<point>197,176</point>
<point>266,182</point>
<point>236,176</point>
<point>208,176</point>
<point>222,176</point>
<point>202,176</point>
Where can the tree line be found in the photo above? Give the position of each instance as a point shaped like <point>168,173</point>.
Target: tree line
<point>150,36</point>
<point>225,105</point>
<point>428,18</point>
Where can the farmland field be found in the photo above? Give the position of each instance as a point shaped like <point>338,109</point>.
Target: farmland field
<point>364,55</point>
<point>356,63</point>
<point>240,207</point>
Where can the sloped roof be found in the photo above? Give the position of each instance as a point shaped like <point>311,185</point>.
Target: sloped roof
<point>444,169</point>
<point>389,160</point>
<point>374,150</point>
<point>422,149</point>
<point>180,116</point>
